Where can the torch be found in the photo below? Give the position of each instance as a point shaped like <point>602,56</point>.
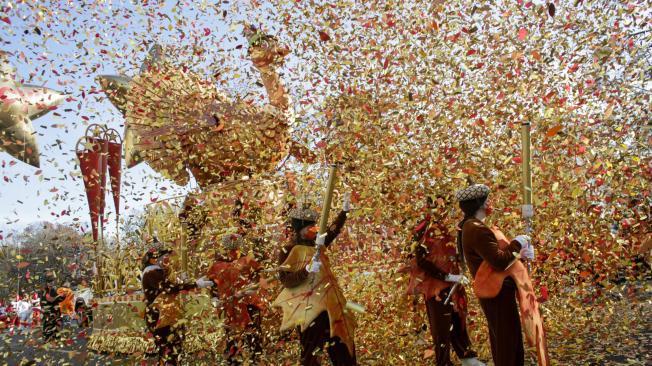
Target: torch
<point>323,220</point>
<point>527,210</point>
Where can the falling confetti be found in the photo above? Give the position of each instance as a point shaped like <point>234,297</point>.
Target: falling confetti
<point>413,99</point>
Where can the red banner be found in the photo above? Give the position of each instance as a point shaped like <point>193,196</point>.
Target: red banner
<point>115,172</point>
<point>101,146</point>
<point>90,165</point>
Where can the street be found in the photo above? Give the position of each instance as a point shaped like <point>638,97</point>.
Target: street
<point>28,349</point>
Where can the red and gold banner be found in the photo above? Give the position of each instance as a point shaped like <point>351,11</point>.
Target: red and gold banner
<point>91,165</point>
<point>102,147</point>
<point>114,160</point>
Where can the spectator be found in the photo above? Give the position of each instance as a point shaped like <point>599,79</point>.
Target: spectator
<point>24,313</point>
<point>83,308</point>
<point>67,305</point>
<point>36,309</point>
<point>4,320</point>
<point>50,301</point>
<point>14,320</point>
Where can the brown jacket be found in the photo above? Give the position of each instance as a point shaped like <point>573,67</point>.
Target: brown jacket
<point>155,282</point>
<point>480,243</point>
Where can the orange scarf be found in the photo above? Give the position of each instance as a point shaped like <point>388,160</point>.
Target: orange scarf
<point>67,306</point>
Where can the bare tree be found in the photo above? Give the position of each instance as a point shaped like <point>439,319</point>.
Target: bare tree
<point>41,246</point>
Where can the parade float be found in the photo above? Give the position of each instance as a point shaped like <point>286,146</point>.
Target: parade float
<point>20,104</point>
<point>186,129</point>
<point>118,315</point>
<point>464,78</point>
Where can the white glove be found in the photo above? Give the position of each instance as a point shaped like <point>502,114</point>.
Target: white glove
<point>242,294</point>
<point>313,266</point>
<point>204,283</point>
<point>528,252</point>
<point>321,239</point>
<point>524,240</point>
<point>183,277</point>
<point>346,202</point>
<point>457,279</point>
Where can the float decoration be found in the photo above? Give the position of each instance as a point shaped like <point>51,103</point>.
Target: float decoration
<point>19,105</point>
<point>116,88</point>
<point>114,162</point>
<point>91,164</point>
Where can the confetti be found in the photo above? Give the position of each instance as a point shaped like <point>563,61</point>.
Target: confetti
<point>233,124</point>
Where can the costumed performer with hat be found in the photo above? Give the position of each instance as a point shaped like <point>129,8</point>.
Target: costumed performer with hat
<point>237,286</point>
<point>163,308</point>
<point>480,243</point>
<point>311,299</point>
<point>436,271</point>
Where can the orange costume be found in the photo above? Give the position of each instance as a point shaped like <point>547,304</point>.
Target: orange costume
<point>313,301</point>
<point>440,249</point>
<point>233,282</point>
<point>303,303</point>
<point>435,257</point>
<point>487,284</point>
<point>242,301</point>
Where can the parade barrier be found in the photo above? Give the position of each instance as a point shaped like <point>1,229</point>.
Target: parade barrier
<point>119,325</point>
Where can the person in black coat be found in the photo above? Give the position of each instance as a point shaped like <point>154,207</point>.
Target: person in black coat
<point>160,302</point>
<point>50,301</point>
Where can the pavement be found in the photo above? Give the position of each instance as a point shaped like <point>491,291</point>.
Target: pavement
<point>27,348</point>
<point>619,337</point>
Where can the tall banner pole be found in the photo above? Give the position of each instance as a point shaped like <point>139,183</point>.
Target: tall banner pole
<point>533,323</point>
<point>20,252</point>
<point>119,251</point>
<point>323,220</point>
<point>100,259</point>
<point>527,210</point>
<point>184,250</point>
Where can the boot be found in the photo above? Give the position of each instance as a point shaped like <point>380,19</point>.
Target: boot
<point>472,361</point>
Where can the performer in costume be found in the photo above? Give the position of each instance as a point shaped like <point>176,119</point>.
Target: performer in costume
<point>236,285</point>
<point>23,309</point>
<point>50,301</point>
<point>312,300</point>
<point>36,306</point>
<point>163,308</point>
<point>435,273</point>
<point>479,243</point>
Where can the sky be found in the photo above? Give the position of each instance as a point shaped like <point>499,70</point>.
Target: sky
<point>64,45</point>
<point>65,48</point>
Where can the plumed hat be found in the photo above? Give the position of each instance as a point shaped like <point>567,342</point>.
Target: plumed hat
<point>156,250</point>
